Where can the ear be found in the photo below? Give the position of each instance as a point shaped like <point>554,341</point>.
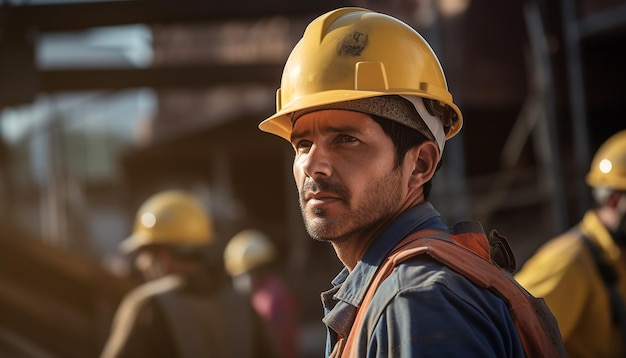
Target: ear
<point>424,159</point>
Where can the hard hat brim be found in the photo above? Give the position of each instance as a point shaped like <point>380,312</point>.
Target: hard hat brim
<point>280,123</point>
<point>132,243</point>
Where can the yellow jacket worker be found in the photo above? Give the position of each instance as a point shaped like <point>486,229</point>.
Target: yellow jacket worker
<point>582,273</point>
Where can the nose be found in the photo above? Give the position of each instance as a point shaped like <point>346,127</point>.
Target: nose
<point>316,162</point>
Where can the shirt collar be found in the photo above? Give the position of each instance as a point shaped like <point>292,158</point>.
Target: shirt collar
<point>354,285</point>
<point>349,288</point>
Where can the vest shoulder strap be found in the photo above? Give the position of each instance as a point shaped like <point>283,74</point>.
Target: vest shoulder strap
<point>469,254</point>
<point>611,282</point>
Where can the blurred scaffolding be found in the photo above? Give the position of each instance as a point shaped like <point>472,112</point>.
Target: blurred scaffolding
<point>104,103</point>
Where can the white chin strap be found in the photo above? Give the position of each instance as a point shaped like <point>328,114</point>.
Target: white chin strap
<point>432,122</point>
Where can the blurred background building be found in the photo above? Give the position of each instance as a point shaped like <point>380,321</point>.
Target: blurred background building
<point>103,103</point>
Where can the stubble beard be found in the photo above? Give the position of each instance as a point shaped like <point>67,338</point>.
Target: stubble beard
<point>382,202</point>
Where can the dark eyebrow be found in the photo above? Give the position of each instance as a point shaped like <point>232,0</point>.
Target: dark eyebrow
<point>297,135</point>
<point>345,129</point>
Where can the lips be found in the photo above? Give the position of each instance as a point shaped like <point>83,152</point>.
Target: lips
<point>320,197</point>
<point>316,192</point>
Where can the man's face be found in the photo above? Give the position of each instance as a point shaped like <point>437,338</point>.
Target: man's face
<point>150,263</point>
<point>344,171</point>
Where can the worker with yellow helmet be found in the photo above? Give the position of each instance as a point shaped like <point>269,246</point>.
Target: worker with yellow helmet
<point>186,308</point>
<point>582,273</point>
<point>365,104</point>
<point>250,258</point>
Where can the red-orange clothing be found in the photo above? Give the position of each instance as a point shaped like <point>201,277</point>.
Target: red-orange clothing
<point>276,305</point>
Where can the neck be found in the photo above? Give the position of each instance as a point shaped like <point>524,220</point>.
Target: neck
<point>350,250</point>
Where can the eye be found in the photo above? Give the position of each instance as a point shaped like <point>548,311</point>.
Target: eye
<point>301,145</point>
<point>345,139</point>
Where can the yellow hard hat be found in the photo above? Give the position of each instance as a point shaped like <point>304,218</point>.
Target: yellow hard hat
<point>354,53</point>
<point>172,217</point>
<point>247,250</point>
<point>608,167</point>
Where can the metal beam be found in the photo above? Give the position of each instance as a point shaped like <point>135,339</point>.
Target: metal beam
<point>578,102</point>
<point>77,16</point>
<point>613,19</point>
<point>159,77</point>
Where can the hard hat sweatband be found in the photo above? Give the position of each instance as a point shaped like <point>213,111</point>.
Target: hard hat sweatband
<point>432,122</point>
<point>393,107</point>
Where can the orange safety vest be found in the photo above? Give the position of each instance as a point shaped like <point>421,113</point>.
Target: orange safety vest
<point>470,255</point>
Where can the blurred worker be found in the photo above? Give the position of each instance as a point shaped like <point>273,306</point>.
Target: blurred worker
<point>582,273</point>
<point>187,307</point>
<point>249,258</point>
<point>365,105</point>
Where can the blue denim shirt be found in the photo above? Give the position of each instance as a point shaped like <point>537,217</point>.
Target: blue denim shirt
<point>423,309</point>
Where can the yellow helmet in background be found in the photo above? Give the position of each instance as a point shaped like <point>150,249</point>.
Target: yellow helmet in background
<point>247,250</point>
<point>608,167</point>
<point>354,53</point>
<point>173,218</point>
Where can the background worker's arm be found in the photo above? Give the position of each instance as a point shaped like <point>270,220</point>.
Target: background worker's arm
<point>561,283</point>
